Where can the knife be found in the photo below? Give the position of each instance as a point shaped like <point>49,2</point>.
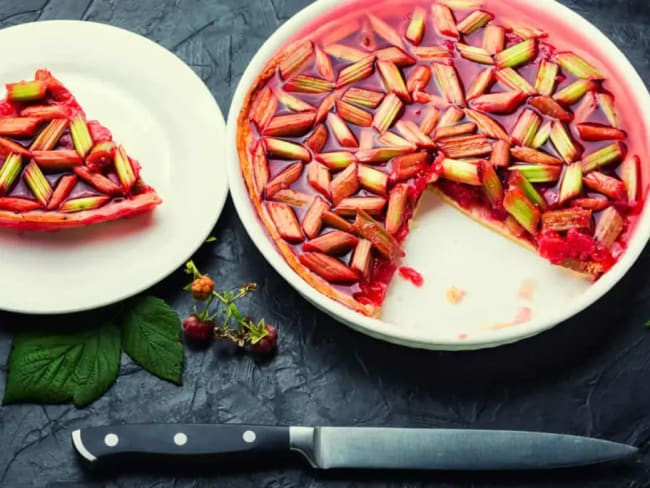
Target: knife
<point>352,447</point>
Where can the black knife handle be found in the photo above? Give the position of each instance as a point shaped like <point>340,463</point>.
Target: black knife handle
<point>180,440</point>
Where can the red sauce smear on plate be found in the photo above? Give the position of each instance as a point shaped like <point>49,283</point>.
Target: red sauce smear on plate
<point>411,275</point>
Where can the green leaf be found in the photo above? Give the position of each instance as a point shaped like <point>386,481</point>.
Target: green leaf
<point>211,239</point>
<point>152,337</point>
<point>56,368</point>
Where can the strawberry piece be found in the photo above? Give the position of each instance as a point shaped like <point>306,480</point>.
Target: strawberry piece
<point>319,178</point>
<point>285,221</point>
<point>550,107</point>
<point>287,177</point>
<point>98,180</point>
<point>298,57</point>
<point>384,243</point>
<point>396,212</point>
<point>19,126</point>
<point>312,222</point>
<point>61,191</point>
<point>499,103</point>
<point>317,139</point>
<point>328,268</point>
<point>599,132</point>
<point>290,125</point>
<point>346,183</point>
<point>18,205</point>
<point>334,243</point>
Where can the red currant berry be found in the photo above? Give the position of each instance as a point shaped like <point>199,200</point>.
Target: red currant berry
<point>197,330</point>
<point>269,342</point>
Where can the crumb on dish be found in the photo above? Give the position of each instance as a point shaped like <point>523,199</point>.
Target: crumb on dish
<point>527,289</point>
<point>455,295</point>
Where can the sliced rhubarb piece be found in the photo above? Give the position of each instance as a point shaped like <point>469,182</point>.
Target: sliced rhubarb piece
<point>499,103</point>
<point>481,84</point>
<point>577,66</point>
<point>396,212</point>
<point>460,171</point>
<point>290,125</point>
<point>473,53</point>
<point>48,112</point>
<point>347,53</point>
<point>565,219</point>
<point>530,155</point>
<point>37,183</point>
<point>393,80</point>
<point>516,55</point>
<point>317,139</point>
<point>432,52</point>
<point>101,155</point>
<point>523,133</point>
<point>80,135</point>
<point>9,172</point>
<point>609,227</point>
<point>568,150</point>
<point>264,108</point>
<point>292,197</point>
<point>330,269</point>
<point>356,72</point>
<point>319,178</point>
<point>385,31</point>
<point>281,149</point>
<point>50,135</point>
<point>336,160</point>
<point>517,180</point>
<point>18,205</point>
<point>512,80</point>
<point>451,116</point>
<point>607,185</point>
<point>348,207</point>
<point>372,179</point>
<point>606,104</point>
<point>631,176</point>
<point>19,126</point>
<point>546,77</point>
<point>387,113</point>
<point>61,160</point>
<point>426,98</point>
<point>395,55</point>
<point>587,106</point>
<point>62,191</point>
<point>572,93</point>
<point>449,83</point>
<point>26,91</point>
<point>465,146</point>
<point>419,79</point>
<point>84,203</point>
<point>406,167</point>
<point>571,185</point>
<point>362,258</point>
<point>514,227</point>
<point>308,84</point>
<point>8,146</point>
<point>383,154</point>
<point>548,106</point>
<point>393,140</point>
<point>454,130</point>
<point>312,222</point>
<point>413,134</point>
<point>385,244</point>
<point>526,31</point>
<point>604,157</point>
<point>429,120</point>
<point>599,132</point>
<point>98,180</point>
<point>487,125</point>
<point>299,56</point>
<point>261,171</point>
<point>491,182</point>
<point>539,173</point>
<point>126,173</point>
<point>325,107</point>
<point>334,243</point>
<point>500,156</point>
<point>522,209</point>
<point>323,64</point>
<point>287,177</point>
<point>294,104</point>
<point>337,222</point>
<point>345,184</point>
<point>592,203</point>
<point>543,134</point>
<point>353,114</point>
<point>363,97</point>
<point>415,29</point>
<point>474,21</point>
<point>285,221</point>
<point>494,38</point>
<point>341,131</point>
<point>368,38</point>
<point>443,19</point>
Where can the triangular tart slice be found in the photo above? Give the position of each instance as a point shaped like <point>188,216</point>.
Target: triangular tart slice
<point>60,170</point>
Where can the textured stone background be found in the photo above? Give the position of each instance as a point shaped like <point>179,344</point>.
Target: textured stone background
<point>588,376</point>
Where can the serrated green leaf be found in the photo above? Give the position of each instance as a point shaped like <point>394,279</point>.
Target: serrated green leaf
<point>151,335</point>
<point>55,368</point>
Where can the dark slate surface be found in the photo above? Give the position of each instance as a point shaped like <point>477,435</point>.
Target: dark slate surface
<point>588,376</point>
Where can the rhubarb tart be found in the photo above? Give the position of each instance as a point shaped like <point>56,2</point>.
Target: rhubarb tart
<point>368,107</point>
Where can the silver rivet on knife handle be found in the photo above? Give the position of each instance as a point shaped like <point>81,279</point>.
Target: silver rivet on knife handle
<point>303,440</point>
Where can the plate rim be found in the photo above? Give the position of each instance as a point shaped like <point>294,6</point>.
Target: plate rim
<point>221,186</point>
<point>378,328</point>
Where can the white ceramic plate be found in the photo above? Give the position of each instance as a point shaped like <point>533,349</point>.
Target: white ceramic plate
<point>450,250</point>
<point>166,118</point>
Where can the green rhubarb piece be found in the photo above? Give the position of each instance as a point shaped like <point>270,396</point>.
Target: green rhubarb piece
<point>522,209</point>
<point>9,171</point>
<point>26,91</point>
<point>80,135</point>
<point>37,183</point>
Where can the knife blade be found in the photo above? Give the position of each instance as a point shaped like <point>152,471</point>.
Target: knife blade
<point>353,447</point>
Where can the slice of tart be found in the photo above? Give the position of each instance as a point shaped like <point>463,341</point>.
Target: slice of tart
<point>60,170</point>
<point>346,128</point>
